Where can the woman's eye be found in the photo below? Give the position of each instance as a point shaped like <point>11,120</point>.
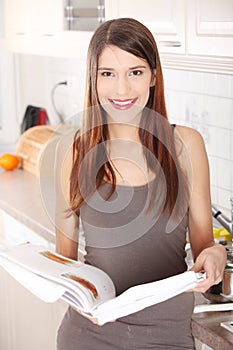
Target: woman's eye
<point>136,72</point>
<point>107,74</point>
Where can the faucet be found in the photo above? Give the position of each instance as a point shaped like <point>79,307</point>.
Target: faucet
<point>222,219</point>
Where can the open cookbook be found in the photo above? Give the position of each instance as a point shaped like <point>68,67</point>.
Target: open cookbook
<point>51,276</point>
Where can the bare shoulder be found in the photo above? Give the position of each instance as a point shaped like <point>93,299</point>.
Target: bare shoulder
<point>193,151</point>
<point>190,137</point>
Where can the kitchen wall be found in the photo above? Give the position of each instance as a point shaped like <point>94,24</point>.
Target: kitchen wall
<point>38,75</point>
<point>200,100</point>
<point>204,101</point>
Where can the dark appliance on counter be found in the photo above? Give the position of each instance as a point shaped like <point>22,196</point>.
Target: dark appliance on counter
<point>34,116</point>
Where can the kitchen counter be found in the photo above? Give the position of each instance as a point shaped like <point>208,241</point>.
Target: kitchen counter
<point>22,198</point>
<point>206,326</point>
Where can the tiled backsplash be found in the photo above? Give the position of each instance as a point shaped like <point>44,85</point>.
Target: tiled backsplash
<point>38,75</point>
<point>203,101</point>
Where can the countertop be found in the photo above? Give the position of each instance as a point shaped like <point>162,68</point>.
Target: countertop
<point>206,325</point>
<point>23,197</point>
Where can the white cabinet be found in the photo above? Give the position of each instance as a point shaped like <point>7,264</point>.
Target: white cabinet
<point>210,27</point>
<point>165,19</point>
<point>37,27</point>
<point>26,322</point>
<point>191,34</point>
<point>191,27</point>
<point>31,26</point>
<point>28,17</point>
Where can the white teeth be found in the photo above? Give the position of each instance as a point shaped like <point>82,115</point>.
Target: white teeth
<point>123,103</point>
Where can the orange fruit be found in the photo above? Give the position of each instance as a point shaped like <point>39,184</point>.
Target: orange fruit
<point>9,161</point>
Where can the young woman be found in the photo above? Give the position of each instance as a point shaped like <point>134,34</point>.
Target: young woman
<point>138,185</point>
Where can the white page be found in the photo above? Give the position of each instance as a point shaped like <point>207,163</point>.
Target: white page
<point>40,287</point>
<point>63,271</point>
<point>139,297</point>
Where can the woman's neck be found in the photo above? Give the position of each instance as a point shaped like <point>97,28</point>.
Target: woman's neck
<point>123,131</point>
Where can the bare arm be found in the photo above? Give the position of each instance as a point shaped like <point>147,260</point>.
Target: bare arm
<point>207,255</point>
<point>66,223</point>
<point>66,227</point>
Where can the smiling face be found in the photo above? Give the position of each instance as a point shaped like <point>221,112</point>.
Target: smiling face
<point>123,83</point>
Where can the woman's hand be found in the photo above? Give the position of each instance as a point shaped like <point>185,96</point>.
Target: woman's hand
<point>92,319</point>
<point>213,261</point>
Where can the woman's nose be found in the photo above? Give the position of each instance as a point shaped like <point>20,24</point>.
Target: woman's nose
<point>122,86</point>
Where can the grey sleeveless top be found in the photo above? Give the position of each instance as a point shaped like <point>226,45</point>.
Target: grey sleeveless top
<point>133,247</point>
<point>130,244</point>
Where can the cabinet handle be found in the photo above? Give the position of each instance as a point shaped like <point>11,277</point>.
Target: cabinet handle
<point>78,13</point>
<point>21,34</point>
<point>69,13</point>
<point>169,43</point>
<point>101,11</point>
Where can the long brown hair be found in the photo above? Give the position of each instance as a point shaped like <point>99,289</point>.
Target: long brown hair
<point>90,160</point>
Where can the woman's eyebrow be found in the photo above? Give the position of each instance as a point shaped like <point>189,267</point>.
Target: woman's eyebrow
<point>105,68</point>
<point>130,68</point>
<point>137,67</point>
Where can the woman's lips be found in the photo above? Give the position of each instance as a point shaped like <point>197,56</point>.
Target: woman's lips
<point>123,104</point>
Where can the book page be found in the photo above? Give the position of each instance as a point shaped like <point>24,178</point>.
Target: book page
<point>139,297</point>
<point>42,288</point>
<point>51,276</point>
<point>91,285</point>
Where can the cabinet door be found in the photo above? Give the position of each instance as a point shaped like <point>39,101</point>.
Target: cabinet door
<point>165,19</point>
<point>210,27</point>
<point>34,26</point>
<point>26,322</point>
<point>37,27</point>
<point>27,17</point>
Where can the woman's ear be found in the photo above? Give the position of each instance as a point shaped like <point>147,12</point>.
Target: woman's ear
<point>153,78</point>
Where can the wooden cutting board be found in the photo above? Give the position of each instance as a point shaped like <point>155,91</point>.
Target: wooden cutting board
<point>32,144</point>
